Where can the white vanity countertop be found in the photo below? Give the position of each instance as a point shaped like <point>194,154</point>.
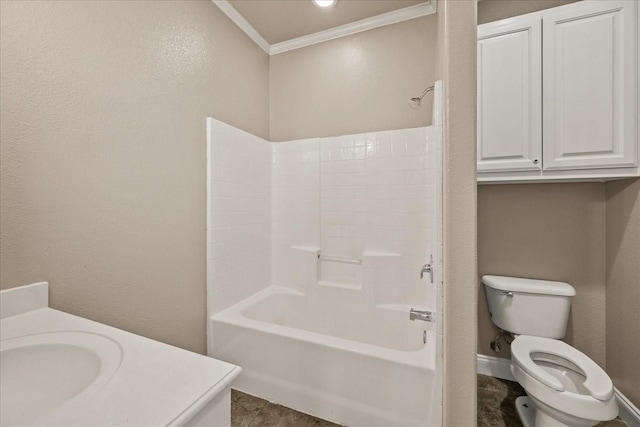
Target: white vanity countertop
<point>156,384</point>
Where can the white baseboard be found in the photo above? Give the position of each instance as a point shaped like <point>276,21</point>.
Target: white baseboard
<point>497,367</point>
<point>628,411</point>
<point>501,368</point>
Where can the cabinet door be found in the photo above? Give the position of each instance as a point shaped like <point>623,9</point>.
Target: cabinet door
<point>509,92</point>
<point>589,81</point>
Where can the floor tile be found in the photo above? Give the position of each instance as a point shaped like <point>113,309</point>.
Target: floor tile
<point>613,423</point>
<point>325,423</point>
<point>486,382</point>
<point>273,415</point>
<point>245,408</point>
<point>496,408</point>
<point>251,411</point>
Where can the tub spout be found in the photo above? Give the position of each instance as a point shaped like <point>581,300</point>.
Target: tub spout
<point>425,316</point>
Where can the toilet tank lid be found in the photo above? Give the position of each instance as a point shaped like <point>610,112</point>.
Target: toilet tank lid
<point>530,286</point>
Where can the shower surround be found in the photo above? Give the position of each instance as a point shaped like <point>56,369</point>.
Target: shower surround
<point>314,251</point>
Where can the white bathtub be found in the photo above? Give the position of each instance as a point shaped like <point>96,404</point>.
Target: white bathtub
<point>340,359</point>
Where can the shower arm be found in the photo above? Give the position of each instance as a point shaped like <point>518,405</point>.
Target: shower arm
<point>426,91</point>
<point>416,103</point>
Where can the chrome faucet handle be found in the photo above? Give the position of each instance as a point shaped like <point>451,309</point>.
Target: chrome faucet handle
<point>427,268</point>
<point>425,316</point>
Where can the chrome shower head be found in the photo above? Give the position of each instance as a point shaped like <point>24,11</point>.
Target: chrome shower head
<point>416,103</point>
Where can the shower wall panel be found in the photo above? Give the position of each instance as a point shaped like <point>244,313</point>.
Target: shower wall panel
<point>295,210</point>
<point>368,198</point>
<point>343,207</point>
<point>368,201</point>
<point>239,215</point>
<point>378,204</point>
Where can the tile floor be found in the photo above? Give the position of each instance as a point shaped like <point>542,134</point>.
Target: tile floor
<point>496,404</point>
<point>496,408</point>
<point>250,411</point>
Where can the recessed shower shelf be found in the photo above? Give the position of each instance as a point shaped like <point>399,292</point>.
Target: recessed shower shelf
<point>339,284</point>
<point>339,259</point>
<point>306,248</point>
<point>379,254</point>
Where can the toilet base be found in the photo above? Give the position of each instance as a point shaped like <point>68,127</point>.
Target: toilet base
<point>531,416</point>
<point>526,411</point>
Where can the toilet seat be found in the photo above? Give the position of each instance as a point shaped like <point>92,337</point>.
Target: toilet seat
<point>597,381</point>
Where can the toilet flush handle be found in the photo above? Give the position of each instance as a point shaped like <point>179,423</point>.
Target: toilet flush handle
<point>509,294</point>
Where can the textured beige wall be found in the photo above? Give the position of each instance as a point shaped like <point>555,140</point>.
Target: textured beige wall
<point>457,68</point>
<point>103,108</point>
<point>494,10</point>
<point>552,232</point>
<point>623,286</point>
<point>359,83</point>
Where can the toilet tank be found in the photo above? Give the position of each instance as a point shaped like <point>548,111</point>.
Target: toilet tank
<point>528,306</point>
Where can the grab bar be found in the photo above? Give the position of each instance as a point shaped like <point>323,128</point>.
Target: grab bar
<point>338,259</point>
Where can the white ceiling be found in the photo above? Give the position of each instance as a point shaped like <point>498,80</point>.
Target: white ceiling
<point>282,20</point>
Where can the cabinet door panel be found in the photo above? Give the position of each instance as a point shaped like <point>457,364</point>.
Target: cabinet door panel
<point>509,91</point>
<point>589,86</point>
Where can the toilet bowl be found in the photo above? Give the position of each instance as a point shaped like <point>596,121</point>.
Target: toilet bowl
<point>566,387</point>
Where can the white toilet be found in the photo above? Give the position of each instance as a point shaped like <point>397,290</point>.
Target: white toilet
<point>564,387</point>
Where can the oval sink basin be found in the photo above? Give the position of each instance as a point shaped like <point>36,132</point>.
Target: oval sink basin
<point>40,373</point>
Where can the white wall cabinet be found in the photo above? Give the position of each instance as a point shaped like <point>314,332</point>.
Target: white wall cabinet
<point>509,102</point>
<point>558,94</point>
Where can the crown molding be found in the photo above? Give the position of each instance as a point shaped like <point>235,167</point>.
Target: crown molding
<point>243,24</point>
<point>356,27</point>
<point>388,18</point>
